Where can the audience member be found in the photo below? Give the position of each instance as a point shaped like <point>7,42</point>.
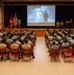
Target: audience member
<point>26,45</point>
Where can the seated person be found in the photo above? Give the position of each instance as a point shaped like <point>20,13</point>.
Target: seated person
<point>65,43</point>
<point>56,42</point>
<point>54,46</point>
<point>3,46</point>
<point>72,42</point>
<point>33,36</point>
<point>14,45</point>
<point>9,40</point>
<point>26,45</point>
<point>19,43</point>
<point>26,32</point>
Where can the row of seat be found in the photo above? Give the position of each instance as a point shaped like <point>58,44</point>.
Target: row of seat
<point>14,53</point>
<point>10,54</point>
<point>65,53</point>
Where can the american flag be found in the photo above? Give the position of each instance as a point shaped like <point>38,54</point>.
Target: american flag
<point>15,20</point>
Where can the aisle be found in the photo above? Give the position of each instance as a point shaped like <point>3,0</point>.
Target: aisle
<point>41,53</point>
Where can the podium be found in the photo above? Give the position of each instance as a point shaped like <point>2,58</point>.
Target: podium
<point>67,24</point>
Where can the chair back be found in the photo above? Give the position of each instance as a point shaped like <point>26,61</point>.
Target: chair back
<point>55,51</point>
<point>68,53</point>
<point>2,50</point>
<point>14,50</point>
<point>66,47</point>
<point>68,50</point>
<point>26,53</point>
<point>26,50</point>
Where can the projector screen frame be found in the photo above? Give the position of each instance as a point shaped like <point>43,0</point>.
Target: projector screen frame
<point>43,24</point>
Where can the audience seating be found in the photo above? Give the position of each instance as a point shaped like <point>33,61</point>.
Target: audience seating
<point>54,54</point>
<point>68,53</point>
<point>3,54</point>
<point>60,36</point>
<point>63,49</point>
<point>26,53</point>
<point>14,53</point>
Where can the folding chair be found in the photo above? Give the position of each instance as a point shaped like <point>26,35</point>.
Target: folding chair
<point>68,53</point>
<point>55,54</point>
<point>63,49</point>
<point>15,53</point>
<point>3,54</point>
<point>26,53</point>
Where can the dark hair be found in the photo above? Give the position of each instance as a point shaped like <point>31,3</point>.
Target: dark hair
<point>72,37</point>
<point>53,43</point>
<point>14,40</point>
<point>21,30</point>
<point>2,41</point>
<point>26,41</point>
<point>27,30</point>
<point>65,40</point>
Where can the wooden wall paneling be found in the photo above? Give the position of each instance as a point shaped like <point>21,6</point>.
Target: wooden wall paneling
<point>40,33</point>
<point>0,17</point>
<point>2,14</point>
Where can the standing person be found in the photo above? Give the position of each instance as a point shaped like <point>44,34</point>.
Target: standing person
<point>19,22</point>
<point>58,24</point>
<point>71,23</point>
<point>61,24</point>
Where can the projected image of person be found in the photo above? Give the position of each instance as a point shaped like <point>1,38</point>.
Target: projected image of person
<point>45,16</point>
